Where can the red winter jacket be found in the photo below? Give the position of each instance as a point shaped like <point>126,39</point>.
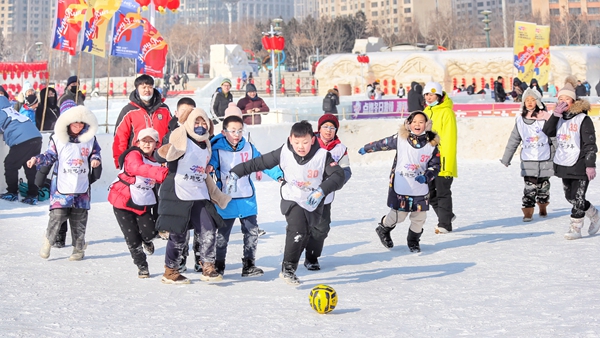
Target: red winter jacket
<point>134,117</point>
<point>133,164</point>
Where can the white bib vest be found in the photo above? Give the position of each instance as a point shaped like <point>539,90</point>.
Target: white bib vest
<point>411,162</point>
<point>228,160</point>
<point>190,178</point>
<point>337,152</point>
<point>141,191</point>
<point>568,137</point>
<point>73,166</point>
<point>301,180</point>
<point>536,146</point>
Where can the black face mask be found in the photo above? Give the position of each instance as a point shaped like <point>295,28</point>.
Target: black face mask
<point>31,99</point>
<point>52,101</point>
<point>73,89</point>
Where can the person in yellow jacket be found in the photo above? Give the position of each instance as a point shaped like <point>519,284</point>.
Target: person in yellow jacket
<point>439,110</point>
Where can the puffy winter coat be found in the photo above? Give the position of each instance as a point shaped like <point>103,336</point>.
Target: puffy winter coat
<point>132,162</point>
<point>415,97</point>
<point>444,124</point>
<point>246,103</point>
<point>220,102</point>
<point>237,207</point>
<point>15,128</point>
<point>528,168</point>
<point>587,142</point>
<point>330,101</point>
<point>136,116</point>
<point>50,114</point>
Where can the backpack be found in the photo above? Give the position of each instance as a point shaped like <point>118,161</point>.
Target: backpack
<point>327,103</point>
<point>43,191</point>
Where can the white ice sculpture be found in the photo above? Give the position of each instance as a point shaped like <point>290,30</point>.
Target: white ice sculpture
<point>228,61</point>
<point>443,66</point>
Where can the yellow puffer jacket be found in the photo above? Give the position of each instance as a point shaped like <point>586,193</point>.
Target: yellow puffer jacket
<point>444,124</point>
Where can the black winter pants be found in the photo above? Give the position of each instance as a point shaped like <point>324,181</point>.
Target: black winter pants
<point>440,198</point>
<point>17,158</point>
<point>250,231</point>
<point>136,229</point>
<point>318,233</point>
<point>299,224</point>
<point>575,194</point>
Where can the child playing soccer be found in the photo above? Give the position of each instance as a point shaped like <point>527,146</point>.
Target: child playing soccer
<point>536,153</point>
<point>328,140</point>
<point>74,148</point>
<point>309,174</point>
<point>229,149</point>
<point>575,158</point>
<point>133,195</point>
<point>185,196</point>
<point>417,162</point>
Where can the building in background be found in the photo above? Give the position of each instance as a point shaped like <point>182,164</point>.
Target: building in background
<point>304,8</point>
<point>587,9</point>
<point>27,17</point>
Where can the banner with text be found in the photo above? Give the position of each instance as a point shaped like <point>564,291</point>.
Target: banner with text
<point>524,50</point>
<point>97,19</point>
<point>152,53</point>
<point>128,30</point>
<point>541,66</point>
<point>69,18</point>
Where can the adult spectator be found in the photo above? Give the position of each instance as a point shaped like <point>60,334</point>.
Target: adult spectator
<point>440,112</point>
<point>580,89</point>
<point>221,98</point>
<point>145,110</point>
<point>252,106</point>
<point>71,92</point>
<point>471,89</point>
<point>499,93</point>
<point>184,81</point>
<point>331,101</point>
<point>415,97</point>
<point>47,110</point>
<point>588,88</point>
<point>401,91</point>
<point>534,84</point>
<point>244,79</point>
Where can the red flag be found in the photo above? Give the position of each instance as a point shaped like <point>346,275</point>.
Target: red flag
<point>153,52</point>
<point>69,17</point>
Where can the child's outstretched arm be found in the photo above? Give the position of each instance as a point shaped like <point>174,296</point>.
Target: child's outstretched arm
<point>511,147</point>
<point>333,178</point>
<point>46,158</point>
<point>263,162</point>
<point>388,143</point>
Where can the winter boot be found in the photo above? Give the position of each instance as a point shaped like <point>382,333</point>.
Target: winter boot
<point>45,251</point>
<point>592,213</point>
<point>288,273</point>
<point>412,240</point>
<point>312,265</point>
<point>261,232</point>
<point>249,269</point>
<point>172,276</point>
<point>220,266</point>
<point>182,266</point>
<point>209,273</point>
<point>148,248</point>
<point>528,214</point>
<point>384,234</point>
<point>575,228</point>
<point>198,265</point>
<point>59,241</point>
<point>9,197</point>
<point>30,200</point>
<point>143,271</point>
<point>77,254</point>
<point>543,211</point>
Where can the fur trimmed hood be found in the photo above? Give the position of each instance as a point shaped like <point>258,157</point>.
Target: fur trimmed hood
<point>178,139</point>
<point>76,114</point>
<point>432,137</point>
<point>579,106</point>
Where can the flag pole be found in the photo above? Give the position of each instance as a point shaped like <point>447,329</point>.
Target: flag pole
<point>78,77</point>
<point>47,90</point>
<point>107,93</point>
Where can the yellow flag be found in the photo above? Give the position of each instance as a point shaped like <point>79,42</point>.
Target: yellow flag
<point>96,21</point>
<point>541,66</point>
<point>524,50</point>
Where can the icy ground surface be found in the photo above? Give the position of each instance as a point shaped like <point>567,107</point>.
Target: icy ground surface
<point>493,276</point>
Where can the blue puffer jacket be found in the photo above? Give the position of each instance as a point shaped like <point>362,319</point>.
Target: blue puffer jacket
<point>238,207</point>
<point>16,128</point>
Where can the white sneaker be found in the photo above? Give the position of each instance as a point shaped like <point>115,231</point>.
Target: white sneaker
<point>592,213</point>
<point>440,230</point>
<point>291,279</point>
<point>45,251</point>
<point>575,228</point>
<point>77,255</point>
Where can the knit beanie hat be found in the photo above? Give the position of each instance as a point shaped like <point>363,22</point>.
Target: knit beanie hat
<point>71,79</point>
<point>66,105</point>
<point>226,80</point>
<point>329,118</point>
<point>250,88</point>
<point>532,92</point>
<point>569,88</point>
<point>148,132</point>
<point>232,109</point>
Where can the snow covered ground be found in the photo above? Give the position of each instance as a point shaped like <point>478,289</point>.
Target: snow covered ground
<point>493,276</point>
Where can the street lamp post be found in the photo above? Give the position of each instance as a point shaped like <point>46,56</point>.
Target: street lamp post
<point>487,28</point>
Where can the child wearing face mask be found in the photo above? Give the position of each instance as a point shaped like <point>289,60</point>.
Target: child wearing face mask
<point>30,104</point>
<point>186,196</point>
<point>439,110</point>
<point>537,152</point>
<point>416,163</point>
<point>74,149</point>
<point>133,195</point>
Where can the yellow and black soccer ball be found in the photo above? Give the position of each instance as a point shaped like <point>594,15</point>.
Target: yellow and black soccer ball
<point>323,298</point>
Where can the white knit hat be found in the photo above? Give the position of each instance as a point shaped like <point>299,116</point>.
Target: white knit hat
<point>535,94</point>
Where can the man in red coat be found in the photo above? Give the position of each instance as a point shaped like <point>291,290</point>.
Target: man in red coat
<point>146,109</point>
<point>252,106</point>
